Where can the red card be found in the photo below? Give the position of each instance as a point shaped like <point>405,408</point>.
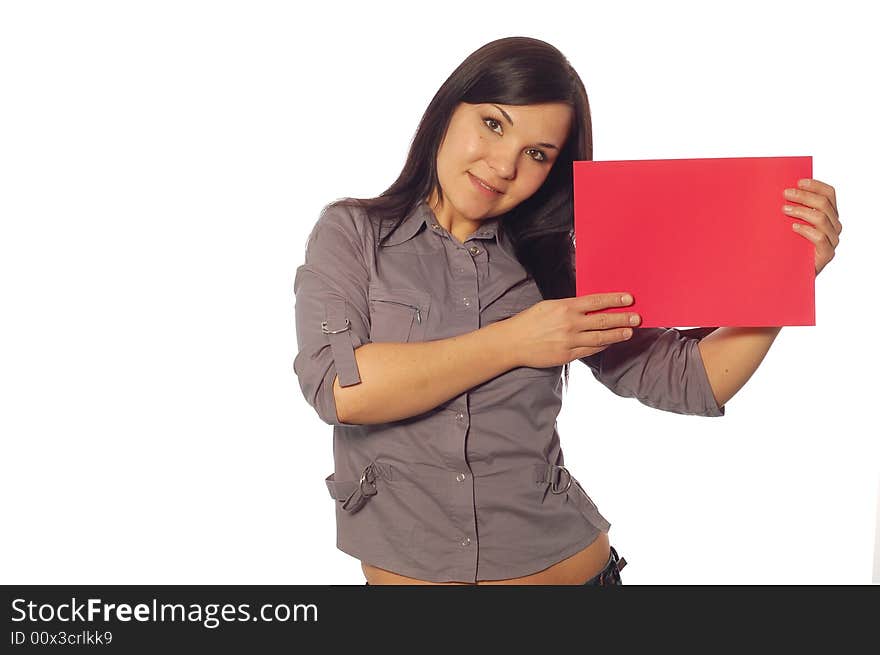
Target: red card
<point>698,242</point>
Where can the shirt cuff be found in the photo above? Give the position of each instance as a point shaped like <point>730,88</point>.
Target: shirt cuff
<point>709,402</point>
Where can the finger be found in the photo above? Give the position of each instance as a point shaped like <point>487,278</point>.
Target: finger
<point>597,301</point>
<point>599,338</point>
<point>607,320</point>
<point>824,249</point>
<point>814,200</point>
<point>816,218</point>
<point>586,351</point>
<point>818,186</point>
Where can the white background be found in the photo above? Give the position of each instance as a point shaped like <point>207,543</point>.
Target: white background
<point>161,164</point>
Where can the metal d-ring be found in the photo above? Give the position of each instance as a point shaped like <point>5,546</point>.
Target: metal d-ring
<point>359,491</point>
<point>363,479</point>
<point>568,483</point>
<point>326,331</point>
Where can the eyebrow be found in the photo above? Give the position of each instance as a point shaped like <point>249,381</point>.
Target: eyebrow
<point>507,116</point>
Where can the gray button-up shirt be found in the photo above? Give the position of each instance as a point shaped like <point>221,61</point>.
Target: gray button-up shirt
<point>476,488</point>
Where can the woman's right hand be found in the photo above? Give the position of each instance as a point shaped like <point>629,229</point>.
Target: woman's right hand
<point>555,332</point>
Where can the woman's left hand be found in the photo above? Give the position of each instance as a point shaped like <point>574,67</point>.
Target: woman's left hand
<point>820,210</point>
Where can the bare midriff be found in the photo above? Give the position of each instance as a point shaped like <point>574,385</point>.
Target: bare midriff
<point>574,570</point>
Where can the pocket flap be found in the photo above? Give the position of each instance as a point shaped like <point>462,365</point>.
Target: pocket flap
<point>339,490</point>
<point>416,297</point>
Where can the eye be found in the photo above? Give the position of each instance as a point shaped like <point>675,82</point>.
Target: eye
<point>488,119</point>
<point>540,152</point>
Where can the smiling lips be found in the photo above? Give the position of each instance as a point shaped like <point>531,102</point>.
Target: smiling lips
<point>484,184</point>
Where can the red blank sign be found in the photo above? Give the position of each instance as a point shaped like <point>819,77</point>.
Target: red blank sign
<point>698,242</point>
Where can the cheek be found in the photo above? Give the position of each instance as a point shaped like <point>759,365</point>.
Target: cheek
<point>469,144</point>
<point>532,178</point>
<point>461,149</point>
<point>473,148</point>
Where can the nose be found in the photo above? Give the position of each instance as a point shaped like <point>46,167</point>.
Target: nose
<point>503,160</point>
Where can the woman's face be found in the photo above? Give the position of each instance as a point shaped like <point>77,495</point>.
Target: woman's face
<point>511,147</point>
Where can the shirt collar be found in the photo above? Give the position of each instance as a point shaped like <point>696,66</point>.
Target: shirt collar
<point>422,214</point>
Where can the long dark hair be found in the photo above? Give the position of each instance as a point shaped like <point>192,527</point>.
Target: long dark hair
<point>509,71</point>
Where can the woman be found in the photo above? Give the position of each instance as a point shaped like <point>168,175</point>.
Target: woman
<point>434,323</point>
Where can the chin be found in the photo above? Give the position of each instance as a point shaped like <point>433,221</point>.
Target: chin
<point>468,208</point>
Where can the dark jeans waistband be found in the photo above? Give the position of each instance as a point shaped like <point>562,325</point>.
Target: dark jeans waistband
<point>610,575</point>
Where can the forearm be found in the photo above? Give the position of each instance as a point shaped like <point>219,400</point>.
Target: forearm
<point>732,354</point>
<point>399,380</point>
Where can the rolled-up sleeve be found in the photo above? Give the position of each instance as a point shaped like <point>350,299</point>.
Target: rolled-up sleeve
<point>332,310</point>
<point>661,367</point>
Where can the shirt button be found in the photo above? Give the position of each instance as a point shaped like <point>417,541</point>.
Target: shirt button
<point>465,541</point>
<point>459,416</point>
<point>466,301</point>
<point>436,226</point>
<point>474,250</point>
<point>460,477</point>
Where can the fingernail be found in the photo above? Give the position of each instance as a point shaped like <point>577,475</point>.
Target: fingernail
<point>627,298</point>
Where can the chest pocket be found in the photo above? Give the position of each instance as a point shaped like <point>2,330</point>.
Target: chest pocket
<point>398,314</point>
